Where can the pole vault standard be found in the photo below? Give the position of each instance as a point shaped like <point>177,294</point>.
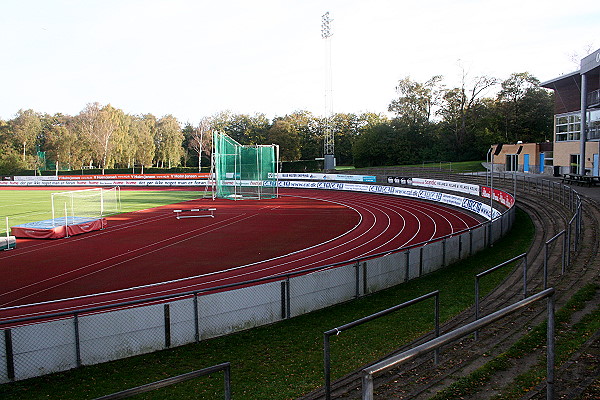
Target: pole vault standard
<point>194,210</point>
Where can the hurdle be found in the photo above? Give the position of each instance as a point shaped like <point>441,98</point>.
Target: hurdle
<point>179,212</point>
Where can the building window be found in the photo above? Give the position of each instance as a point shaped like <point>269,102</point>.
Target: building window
<point>567,127</point>
<point>593,120</point>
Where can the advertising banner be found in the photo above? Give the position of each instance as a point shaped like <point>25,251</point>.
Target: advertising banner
<point>170,182</point>
<point>327,177</point>
<point>453,200</point>
<point>501,197</point>
<point>447,185</point>
<point>114,176</point>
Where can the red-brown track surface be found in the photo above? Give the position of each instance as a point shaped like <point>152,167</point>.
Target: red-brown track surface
<point>150,253</point>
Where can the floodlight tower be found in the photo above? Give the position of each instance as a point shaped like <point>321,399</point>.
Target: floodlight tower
<point>328,149</point>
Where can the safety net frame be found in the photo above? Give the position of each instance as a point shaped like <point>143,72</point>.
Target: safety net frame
<point>244,171</point>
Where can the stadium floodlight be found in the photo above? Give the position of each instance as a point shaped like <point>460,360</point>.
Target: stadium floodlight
<point>329,143</point>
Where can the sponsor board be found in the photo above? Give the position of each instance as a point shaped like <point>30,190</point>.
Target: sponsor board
<point>324,177</point>
<point>447,185</point>
<point>445,198</point>
<point>501,197</point>
<point>170,182</point>
<point>114,177</point>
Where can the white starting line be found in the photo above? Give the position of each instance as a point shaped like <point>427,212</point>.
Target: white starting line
<point>179,212</point>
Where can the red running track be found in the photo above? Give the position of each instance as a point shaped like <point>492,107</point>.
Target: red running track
<point>150,252</point>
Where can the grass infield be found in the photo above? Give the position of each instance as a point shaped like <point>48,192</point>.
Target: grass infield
<point>285,360</point>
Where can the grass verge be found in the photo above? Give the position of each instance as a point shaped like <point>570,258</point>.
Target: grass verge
<point>284,360</point>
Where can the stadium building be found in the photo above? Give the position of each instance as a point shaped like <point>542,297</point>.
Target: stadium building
<point>576,104</point>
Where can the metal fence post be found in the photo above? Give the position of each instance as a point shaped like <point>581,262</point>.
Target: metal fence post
<point>77,340</point>
<point>546,265</point>
<point>196,319</point>
<point>10,357</point>
<point>551,354</point>
<point>356,280</point>
<point>327,365</point>
<point>476,304</point>
<point>436,352</point>
<point>407,267</point>
<point>525,277</point>
<point>365,284</point>
<point>470,242</point>
<point>227,378</point>
<point>564,252</point>
<point>367,387</point>
<point>167,315</point>
<point>443,253</point>
<point>283,301</point>
<point>288,298</point>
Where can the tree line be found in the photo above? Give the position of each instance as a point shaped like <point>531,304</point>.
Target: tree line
<point>428,122</point>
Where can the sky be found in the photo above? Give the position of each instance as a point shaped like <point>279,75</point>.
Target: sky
<point>194,58</point>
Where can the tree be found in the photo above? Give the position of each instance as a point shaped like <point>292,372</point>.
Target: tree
<point>459,113</point>
<point>97,126</point>
<point>124,147</point>
<point>62,141</point>
<point>11,162</point>
<point>375,146</point>
<point>199,139</point>
<point>168,140</point>
<point>286,136</point>
<point>242,128</point>
<point>309,134</point>
<point>416,101</point>
<point>142,131</point>
<point>526,108</point>
<point>26,127</point>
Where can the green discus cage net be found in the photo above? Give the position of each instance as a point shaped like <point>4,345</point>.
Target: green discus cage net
<point>244,172</point>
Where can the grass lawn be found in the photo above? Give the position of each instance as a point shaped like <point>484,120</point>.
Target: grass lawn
<point>282,360</point>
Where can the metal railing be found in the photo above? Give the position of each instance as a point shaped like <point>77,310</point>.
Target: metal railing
<point>563,255</point>
<point>350,325</point>
<point>225,367</point>
<point>369,372</point>
<point>488,271</point>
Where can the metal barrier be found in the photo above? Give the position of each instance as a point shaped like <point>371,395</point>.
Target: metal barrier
<point>488,271</point>
<point>225,367</point>
<point>563,255</point>
<point>340,329</point>
<point>367,373</point>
